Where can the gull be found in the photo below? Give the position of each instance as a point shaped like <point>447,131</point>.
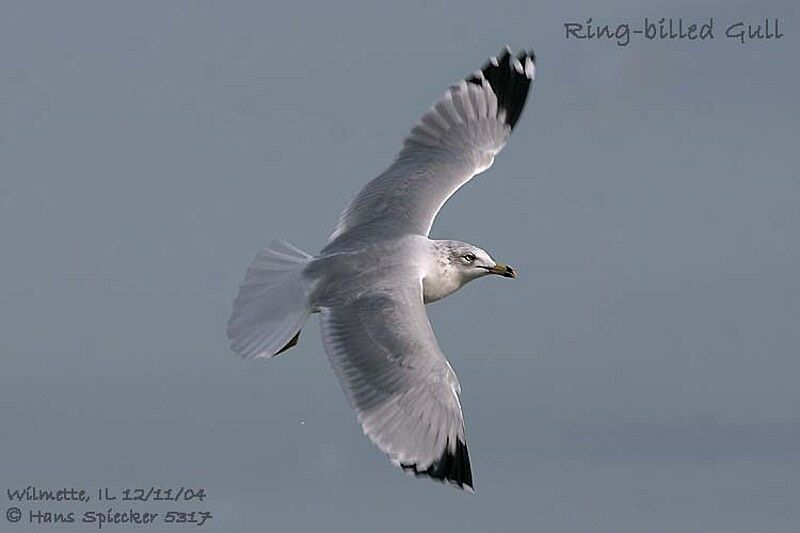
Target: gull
<point>371,281</point>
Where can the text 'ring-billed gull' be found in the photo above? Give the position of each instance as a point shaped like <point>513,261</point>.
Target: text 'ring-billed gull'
<point>371,281</point>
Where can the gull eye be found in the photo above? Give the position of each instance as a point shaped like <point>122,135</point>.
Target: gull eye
<point>469,258</point>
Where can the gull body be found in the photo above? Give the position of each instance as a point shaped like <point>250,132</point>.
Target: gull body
<point>443,266</point>
<point>371,282</point>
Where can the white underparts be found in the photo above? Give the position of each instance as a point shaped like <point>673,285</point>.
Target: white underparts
<point>440,282</point>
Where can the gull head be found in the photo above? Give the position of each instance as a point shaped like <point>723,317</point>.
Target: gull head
<point>457,263</point>
<point>471,262</point>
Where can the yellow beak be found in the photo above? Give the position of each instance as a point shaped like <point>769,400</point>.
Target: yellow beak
<point>502,270</point>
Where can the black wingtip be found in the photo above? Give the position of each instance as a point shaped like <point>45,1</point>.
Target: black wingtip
<point>452,467</point>
<point>510,78</point>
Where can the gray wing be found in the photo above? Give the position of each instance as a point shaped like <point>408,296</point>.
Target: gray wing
<point>397,379</point>
<point>455,140</point>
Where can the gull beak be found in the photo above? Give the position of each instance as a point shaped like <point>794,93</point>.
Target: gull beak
<point>502,270</point>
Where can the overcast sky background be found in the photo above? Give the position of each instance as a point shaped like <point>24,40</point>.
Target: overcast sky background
<point>641,375</point>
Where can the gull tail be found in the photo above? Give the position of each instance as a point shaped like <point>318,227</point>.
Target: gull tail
<point>273,303</point>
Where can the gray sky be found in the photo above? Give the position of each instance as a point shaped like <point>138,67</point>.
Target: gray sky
<point>640,375</point>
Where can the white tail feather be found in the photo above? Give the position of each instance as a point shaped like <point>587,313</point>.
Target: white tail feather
<point>272,304</point>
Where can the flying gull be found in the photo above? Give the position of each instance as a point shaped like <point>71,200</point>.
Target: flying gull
<point>371,282</point>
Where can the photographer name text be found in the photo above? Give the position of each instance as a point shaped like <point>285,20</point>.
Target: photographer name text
<point>102,507</point>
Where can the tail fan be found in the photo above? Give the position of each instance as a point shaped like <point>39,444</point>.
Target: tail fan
<point>272,304</point>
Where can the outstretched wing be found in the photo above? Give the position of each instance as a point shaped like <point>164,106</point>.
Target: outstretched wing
<point>397,379</point>
<point>455,140</point>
